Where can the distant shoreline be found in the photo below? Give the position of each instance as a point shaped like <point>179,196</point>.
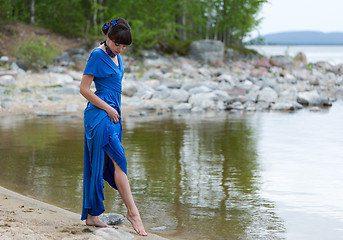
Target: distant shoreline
<point>300,38</point>
<point>294,44</point>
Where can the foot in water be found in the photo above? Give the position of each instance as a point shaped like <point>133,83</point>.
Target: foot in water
<point>137,224</point>
<point>95,221</point>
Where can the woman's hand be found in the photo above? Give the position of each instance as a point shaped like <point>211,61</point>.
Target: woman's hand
<point>113,114</point>
<point>91,97</point>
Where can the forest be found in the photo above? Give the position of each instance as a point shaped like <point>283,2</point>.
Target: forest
<point>153,22</point>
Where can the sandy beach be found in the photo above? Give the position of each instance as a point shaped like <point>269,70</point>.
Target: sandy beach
<point>22,217</point>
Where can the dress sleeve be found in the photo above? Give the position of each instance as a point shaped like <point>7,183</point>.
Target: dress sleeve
<point>99,64</point>
<point>93,66</point>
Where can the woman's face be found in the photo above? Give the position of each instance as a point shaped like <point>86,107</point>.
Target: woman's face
<point>116,48</point>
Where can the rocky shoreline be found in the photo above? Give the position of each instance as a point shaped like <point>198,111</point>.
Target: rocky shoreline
<point>219,80</point>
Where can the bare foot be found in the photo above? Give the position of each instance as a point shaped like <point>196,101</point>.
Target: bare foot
<point>136,222</point>
<point>95,221</point>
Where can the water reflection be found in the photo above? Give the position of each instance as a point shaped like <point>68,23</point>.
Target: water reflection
<point>42,158</point>
<point>200,177</point>
<point>194,177</point>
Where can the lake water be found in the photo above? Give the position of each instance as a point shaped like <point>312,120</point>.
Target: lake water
<point>331,54</point>
<point>214,176</point>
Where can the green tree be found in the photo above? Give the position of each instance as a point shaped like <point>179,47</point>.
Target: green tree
<point>152,21</point>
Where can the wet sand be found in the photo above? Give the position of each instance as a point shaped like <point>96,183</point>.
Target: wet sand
<point>22,217</point>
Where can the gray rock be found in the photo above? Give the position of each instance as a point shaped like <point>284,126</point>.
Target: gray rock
<point>162,92</point>
<point>205,72</point>
<point>211,84</point>
<point>146,107</point>
<point>129,88</point>
<point>204,100</point>
<point>134,101</point>
<point>190,84</point>
<point>227,78</point>
<point>188,69</point>
<point>69,90</point>
<point>200,89</point>
<point>208,51</point>
<point>339,94</point>
<point>78,51</point>
<point>153,74</point>
<point>145,94</point>
<point>173,83</point>
<point>289,95</point>
<point>153,83</point>
<point>178,95</point>
<point>300,59</point>
<point>222,95</point>
<point>197,109</point>
<point>7,80</point>
<point>55,98</point>
<point>286,106</point>
<point>267,94</point>
<point>75,75</point>
<point>112,218</point>
<point>281,61</point>
<point>313,98</point>
<point>60,79</point>
<point>235,105</point>
<point>150,54</point>
<point>63,59</point>
<point>5,105</point>
<point>113,234</point>
<point>262,106</point>
<point>301,74</point>
<point>26,90</point>
<point>41,113</point>
<point>249,106</point>
<point>70,108</point>
<point>16,68</point>
<point>4,59</point>
<point>182,107</point>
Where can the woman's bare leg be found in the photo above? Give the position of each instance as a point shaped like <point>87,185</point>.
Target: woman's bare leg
<point>95,221</point>
<point>124,189</point>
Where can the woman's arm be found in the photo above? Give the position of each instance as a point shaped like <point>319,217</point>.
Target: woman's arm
<point>85,91</point>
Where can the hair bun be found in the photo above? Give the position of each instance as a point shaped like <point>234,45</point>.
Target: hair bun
<point>105,28</point>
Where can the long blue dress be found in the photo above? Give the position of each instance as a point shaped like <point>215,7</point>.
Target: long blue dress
<point>102,135</point>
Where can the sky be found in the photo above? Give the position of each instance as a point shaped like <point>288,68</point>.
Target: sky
<point>298,15</point>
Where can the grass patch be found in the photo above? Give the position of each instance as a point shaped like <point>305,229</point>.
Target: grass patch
<point>35,53</point>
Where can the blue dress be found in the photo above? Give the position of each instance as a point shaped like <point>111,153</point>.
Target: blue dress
<point>102,135</point>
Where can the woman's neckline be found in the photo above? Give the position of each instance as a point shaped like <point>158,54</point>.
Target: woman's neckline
<point>112,59</point>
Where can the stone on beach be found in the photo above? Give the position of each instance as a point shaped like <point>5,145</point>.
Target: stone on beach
<point>208,51</point>
<point>174,83</point>
<point>113,234</point>
<point>313,98</point>
<point>112,218</point>
<point>7,80</point>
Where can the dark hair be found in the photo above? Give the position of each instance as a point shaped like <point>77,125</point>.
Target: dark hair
<point>120,32</point>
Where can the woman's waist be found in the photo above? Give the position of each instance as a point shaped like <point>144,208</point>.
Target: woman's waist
<point>108,91</point>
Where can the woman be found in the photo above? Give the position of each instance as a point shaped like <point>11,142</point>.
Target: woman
<point>103,154</point>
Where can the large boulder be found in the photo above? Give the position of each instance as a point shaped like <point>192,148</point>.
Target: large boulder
<point>206,101</point>
<point>281,61</point>
<point>178,95</point>
<point>129,88</point>
<point>267,94</point>
<point>7,80</point>
<point>209,51</point>
<point>300,59</point>
<point>313,98</point>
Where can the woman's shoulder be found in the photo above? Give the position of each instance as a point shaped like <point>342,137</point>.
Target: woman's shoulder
<point>97,51</point>
<point>97,55</point>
